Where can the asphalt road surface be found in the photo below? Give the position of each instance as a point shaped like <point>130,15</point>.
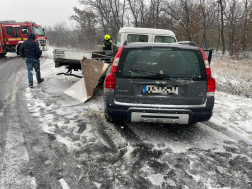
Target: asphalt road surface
<point>49,140</point>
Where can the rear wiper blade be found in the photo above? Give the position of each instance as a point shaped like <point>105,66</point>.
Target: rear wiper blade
<point>182,78</point>
<point>151,73</point>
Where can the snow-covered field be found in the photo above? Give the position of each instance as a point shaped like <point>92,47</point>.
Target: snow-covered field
<point>233,76</point>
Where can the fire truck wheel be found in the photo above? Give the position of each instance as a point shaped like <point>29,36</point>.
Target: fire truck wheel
<point>2,54</point>
<point>19,52</point>
<point>18,49</point>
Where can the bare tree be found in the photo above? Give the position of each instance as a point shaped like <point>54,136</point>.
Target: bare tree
<point>181,11</point>
<point>245,23</point>
<point>155,5</point>
<point>109,14</point>
<point>208,18</point>
<point>134,10</point>
<point>87,22</point>
<point>202,6</point>
<point>222,7</point>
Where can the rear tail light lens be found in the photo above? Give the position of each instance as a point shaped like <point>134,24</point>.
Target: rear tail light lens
<point>110,81</point>
<point>111,77</point>
<point>210,85</point>
<point>210,81</point>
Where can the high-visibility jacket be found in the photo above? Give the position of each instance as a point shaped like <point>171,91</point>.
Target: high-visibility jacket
<point>107,44</point>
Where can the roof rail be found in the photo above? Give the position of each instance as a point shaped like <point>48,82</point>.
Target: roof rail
<point>187,43</point>
<point>8,21</point>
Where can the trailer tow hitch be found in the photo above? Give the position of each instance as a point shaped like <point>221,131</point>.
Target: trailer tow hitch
<point>69,73</point>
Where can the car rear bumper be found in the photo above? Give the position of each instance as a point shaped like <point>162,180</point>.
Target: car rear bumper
<point>165,116</point>
<point>159,113</point>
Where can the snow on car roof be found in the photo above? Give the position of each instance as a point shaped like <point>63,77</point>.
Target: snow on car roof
<point>147,31</point>
<point>146,44</point>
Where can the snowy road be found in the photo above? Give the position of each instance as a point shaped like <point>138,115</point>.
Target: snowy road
<point>49,140</point>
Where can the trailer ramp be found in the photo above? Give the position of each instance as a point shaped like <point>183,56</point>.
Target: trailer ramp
<point>92,71</point>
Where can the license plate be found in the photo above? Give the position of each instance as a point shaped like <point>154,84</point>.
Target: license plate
<point>160,89</point>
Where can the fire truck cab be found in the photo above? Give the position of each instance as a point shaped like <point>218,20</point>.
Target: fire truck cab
<point>13,34</point>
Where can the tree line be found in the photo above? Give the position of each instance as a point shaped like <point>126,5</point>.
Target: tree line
<point>224,25</point>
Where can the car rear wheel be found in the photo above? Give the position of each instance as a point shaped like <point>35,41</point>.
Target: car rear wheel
<point>101,81</point>
<point>192,123</point>
<point>108,118</point>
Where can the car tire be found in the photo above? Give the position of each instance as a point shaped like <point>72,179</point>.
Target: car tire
<point>101,81</point>
<point>19,51</point>
<point>192,123</point>
<point>108,118</point>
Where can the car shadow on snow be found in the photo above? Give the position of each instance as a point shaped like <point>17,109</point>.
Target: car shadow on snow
<point>160,132</point>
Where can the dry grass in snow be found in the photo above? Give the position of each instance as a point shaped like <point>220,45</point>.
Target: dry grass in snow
<point>232,76</point>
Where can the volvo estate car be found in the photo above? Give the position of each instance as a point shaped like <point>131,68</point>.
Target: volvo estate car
<point>158,82</point>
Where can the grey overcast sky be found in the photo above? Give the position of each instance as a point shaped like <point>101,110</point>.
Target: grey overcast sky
<point>43,12</point>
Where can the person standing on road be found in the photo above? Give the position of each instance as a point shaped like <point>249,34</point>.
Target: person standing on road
<point>30,50</point>
<point>107,42</point>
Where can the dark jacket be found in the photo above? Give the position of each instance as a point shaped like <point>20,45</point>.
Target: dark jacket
<point>30,48</point>
<point>106,45</point>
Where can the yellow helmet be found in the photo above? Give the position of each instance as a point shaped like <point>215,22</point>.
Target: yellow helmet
<point>107,37</point>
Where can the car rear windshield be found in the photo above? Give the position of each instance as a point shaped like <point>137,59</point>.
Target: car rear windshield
<point>164,63</point>
<point>164,39</point>
<point>137,38</point>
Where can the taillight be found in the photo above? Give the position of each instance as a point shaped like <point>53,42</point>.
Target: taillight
<point>210,86</point>
<point>110,79</point>
<point>210,80</point>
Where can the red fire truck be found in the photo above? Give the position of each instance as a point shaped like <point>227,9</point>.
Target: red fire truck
<point>13,34</point>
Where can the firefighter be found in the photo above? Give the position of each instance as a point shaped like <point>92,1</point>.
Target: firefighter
<point>107,42</point>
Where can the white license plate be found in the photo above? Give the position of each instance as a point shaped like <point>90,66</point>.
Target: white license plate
<point>160,89</point>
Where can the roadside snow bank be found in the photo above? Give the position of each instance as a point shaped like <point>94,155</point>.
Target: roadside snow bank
<point>234,112</point>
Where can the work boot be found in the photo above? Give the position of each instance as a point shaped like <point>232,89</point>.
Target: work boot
<point>31,85</point>
<point>42,79</point>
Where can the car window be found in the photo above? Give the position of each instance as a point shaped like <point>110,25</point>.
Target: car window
<point>171,62</point>
<point>24,30</point>
<point>137,38</point>
<point>17,31</point>
<point>10,31</point>
<point>119,38</point>
<point>164,39</point>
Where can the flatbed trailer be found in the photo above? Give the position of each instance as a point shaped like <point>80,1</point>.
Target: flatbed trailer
<point>71,59</point>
